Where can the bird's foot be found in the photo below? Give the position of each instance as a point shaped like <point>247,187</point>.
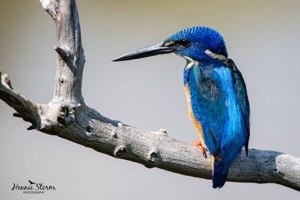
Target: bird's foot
<point>202,149</point>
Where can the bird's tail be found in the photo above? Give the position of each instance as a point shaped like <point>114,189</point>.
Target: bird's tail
<point>220,173</point>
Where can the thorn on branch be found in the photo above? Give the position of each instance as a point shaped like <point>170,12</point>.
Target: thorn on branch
<point>16,114</point>
<point>31,128</point>
<point>63,52</point>
<point>120,151</point>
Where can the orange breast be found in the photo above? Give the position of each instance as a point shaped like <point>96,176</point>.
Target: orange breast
<point>196,123</point>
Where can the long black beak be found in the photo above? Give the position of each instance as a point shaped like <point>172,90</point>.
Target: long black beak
<point>146,52</point>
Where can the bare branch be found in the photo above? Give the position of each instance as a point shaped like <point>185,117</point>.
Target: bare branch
<point>25,108</point>
<point>68,117</point>
<point>70,56</point>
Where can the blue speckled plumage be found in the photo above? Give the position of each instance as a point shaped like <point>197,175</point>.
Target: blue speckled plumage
<point>216,94</point>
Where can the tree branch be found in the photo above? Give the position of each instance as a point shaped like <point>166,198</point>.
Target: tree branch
<point>68,117</point>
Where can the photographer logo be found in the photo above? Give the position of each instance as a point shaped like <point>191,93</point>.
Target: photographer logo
<point>33,187</point>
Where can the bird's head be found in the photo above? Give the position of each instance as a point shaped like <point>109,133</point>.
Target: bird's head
<point>196,43</point>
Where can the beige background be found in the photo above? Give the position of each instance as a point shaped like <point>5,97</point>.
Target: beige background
<point>262,37</point>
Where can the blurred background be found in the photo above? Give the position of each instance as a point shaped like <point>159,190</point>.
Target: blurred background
<point>262,37</point>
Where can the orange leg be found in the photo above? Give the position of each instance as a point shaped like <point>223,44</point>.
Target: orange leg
<point>202,149</point>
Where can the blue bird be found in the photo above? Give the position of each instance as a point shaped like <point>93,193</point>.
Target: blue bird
<point>216,94</point>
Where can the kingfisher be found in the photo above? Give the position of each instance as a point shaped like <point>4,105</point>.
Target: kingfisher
<point>216,94</point>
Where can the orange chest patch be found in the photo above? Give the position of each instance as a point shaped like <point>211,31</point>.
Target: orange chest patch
<point>196,123</point>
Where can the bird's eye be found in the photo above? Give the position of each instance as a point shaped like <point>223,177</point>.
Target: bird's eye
<point>184,43</point>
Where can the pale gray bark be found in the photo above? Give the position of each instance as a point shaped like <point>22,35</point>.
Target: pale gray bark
<point>68,117</point>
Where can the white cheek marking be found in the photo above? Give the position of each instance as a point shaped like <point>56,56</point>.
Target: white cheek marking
<point>215,55</point>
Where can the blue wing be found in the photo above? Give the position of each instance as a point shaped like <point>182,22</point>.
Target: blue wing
<point>220,103</point>
<point>237,129</point>
<point>242,99</point>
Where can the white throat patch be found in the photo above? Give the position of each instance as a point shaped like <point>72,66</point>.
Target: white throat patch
<point>190,62</point>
